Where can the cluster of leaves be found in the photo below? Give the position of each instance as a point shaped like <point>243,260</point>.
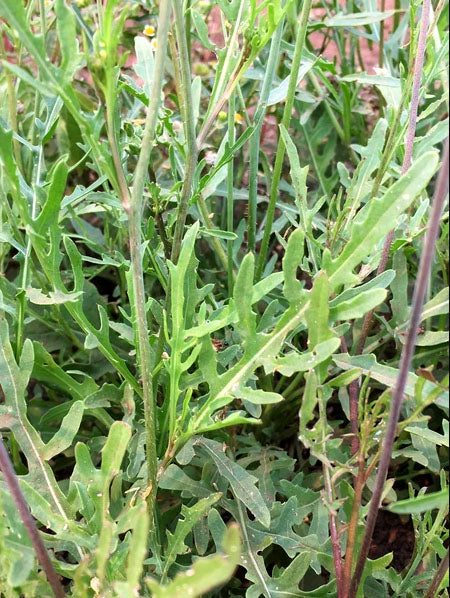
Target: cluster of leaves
<point>246,489</point>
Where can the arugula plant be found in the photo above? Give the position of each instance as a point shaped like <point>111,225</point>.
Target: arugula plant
<point>208,246</point>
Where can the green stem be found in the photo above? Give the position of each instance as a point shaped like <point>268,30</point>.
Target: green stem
<point>256,137</point>
<point>203,208</point>
<point>299,45</point>
<point>134,224</point>
<point>226,71</point>
<point>331,114</point>
<point>230,197</point>
<point>189,128</point>
<point>398,5</point>
<point>381,54</point>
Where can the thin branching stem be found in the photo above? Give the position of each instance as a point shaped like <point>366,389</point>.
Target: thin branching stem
<point>333,525</point>
<point>16,493</point>
<point>381,48</point>
<point>407,354</point>
<point>353,391</point>
<point>230,192</point>
<point>353,526</point>
<point>189,128</point>
<point>274,57</point>
<point>135,220</point>
<point>409,146</point>
<point>287,115</point>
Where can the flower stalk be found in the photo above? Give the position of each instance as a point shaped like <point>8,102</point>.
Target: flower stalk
<point>137,296</point>
<point>287,115</point>
<point>16,493</point>
<point>407,355</point>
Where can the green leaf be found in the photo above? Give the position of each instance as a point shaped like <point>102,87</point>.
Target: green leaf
<point>379,282</point>
<point>279,93</point>
<point>437,306</point>
<point>190,517</point>
<point>431,338</point>
<point>358,306</point>
<point>219,234</point>
<point>145,65</point>
<point>64,437</point>
<point>67,35</point>
<point>114,450</point>
<point>202,29</point>
<point>421,504</point>
<point>14,381</point>
<point>14,14</point>
<point>293,258</point>
<point>50,212</point>
<point>242,483</point>
<point>258,397</point>
<point>205,574</point>
<point>358,19</point>
<point>399,301</point>
<point>344,379</point>
<point>377,218</point>
<point>430,435</point>
<point>308,407</point>
<point>37,297</point>
<point>243,291</point>
<point>174,478</point>
<point>384,374</point>
<point>379,80</point>
<point>9,169</point>
<point>318,312</point>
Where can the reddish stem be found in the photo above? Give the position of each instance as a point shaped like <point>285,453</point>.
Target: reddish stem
<point>405,363</point>
<point>438,578</point>
<point>353,526</point>
<point>334,533</point>
<point>13,485</point>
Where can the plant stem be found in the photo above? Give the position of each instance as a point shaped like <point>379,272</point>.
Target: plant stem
<point>438,577</point>
<point>189,128</point>
<point>299,45</point>
<point>334,533</point>
<point>230,191</point>
<point>134,223</point>
<point>221,84</point>
<point>331,114</point>
<point>353,527</point>
<point>407,354</point>
<point>256,137</point>
<point>28,521</point>
<point>353,391</point>
<point>417,79</point>
<point>398,6</point>
<point>221,254</point>
<point>381,55</point>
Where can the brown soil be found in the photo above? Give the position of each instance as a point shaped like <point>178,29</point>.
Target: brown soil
<point>392,534</point>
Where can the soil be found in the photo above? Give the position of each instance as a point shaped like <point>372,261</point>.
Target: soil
<point>393,534</point>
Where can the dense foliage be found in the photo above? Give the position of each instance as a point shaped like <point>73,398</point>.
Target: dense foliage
<point>199,345</point>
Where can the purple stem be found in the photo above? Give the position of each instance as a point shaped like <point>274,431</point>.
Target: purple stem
<point>405,363</point>
<point>13,485</point>
<point>409,146</point>
<point>438,578</point>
